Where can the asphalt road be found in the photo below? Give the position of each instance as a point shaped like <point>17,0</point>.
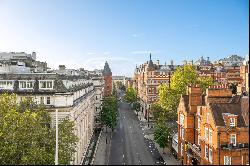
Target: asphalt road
<point>128,145</point>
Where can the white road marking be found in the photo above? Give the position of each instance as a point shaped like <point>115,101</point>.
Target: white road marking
<point>123,156</point>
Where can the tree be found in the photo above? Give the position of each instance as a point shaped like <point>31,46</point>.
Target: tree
<point>109,112</point>
<point>205,82</point>
<point>157,111</point>
<point>137,107</point>
<point>162,134</point>
<point>169,95</point>
<point>131,95</point>
<point>26,136</point>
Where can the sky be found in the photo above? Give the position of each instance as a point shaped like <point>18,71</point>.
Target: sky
<point>86,33</point>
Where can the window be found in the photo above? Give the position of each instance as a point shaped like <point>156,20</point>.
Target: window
<point>232,122</point>
<point>182,133</point>
<point>206,151</point>
<point>233,139</point>
<point>22,84</point>
<point>181,149</point>
<point>227,160</point>
<point>181,119</point>
<point>199,123</point>
<point>210,136</point>
<point>48,100</point>
<point>206,133</point>
<point>207,117</point>
<point>42,100</point>
<point>46,84</point>
<point>210,155</point>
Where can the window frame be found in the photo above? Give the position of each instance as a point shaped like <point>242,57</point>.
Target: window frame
<point>230,123</point>
<point>206,133</point>
<point>234,144</point>
<point>227,160</point>
<point>210,155</point>
<point>206,152</point>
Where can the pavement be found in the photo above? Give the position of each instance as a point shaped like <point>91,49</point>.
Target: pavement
<point>167,156</point>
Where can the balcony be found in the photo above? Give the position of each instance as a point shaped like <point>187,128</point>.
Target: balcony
<point>195,149</point>
<point>230,146</point>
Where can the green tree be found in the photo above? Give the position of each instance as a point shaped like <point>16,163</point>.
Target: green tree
<point>157,111</point>
<point>109,112</point>
<point>205,82</point>
<point>137,107</point>
<point>162,134</point>
<point>26,136</point>
<point>131,95</point>
<point>169,95</point>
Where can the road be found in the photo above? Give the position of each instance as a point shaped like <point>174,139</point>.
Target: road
<point>128,145</point>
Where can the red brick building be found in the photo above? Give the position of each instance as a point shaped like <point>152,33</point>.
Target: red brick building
<point>107,75</point>
<point>213,129</point>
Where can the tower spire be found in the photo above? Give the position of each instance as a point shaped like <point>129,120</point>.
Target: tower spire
<point>150,56</point>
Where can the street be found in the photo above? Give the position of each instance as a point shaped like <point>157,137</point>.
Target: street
<point>128,145</point>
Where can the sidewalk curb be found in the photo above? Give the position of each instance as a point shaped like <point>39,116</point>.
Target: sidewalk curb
<point>96,147</point>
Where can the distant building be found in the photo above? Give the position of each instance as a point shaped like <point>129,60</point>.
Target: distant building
<point>21,62</point>
<point>232,60</point>
<point>107,75</point>
<point>121,79</point>
<point>147,77</point>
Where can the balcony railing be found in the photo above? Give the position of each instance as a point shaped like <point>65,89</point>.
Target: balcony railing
<point>195,149</point>
<point>230,146</point>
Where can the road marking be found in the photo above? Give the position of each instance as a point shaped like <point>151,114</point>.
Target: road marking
<point>123,156</point>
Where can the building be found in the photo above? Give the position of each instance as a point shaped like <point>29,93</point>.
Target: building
<point>121,79</point>
<point>107,75</point>
<point>232,60</point>
<point>147,77</point>
<point>213,128</point>
<point>75,97</point>
<point>21,62</point>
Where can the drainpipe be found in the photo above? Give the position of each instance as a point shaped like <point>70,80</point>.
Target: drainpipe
<point>219,145</point>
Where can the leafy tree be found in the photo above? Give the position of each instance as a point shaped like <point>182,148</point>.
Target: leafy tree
<point>162,134</point>
<point>205,82</point>
<point>157,111</point>
<point>131,95</point>
<point>109,112</point>
<point>137,107</point>
<point>169,96</point>
<point>26,136</point>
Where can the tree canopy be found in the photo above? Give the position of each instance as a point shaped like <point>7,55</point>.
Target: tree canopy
<point>131,95</point>
<point>162,134</point>
<point>26,136</point>
<point>109,112</point>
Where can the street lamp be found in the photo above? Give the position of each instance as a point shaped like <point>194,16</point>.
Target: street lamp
<point>56,155</point>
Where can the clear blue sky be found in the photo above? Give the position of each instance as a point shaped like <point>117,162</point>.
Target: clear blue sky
<point>86,33</point>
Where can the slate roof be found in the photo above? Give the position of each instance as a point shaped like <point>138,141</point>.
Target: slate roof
<point>218,109</point>
<point>106,70</point>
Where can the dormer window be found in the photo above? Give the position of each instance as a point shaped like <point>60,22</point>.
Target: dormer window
<point>232,121</point>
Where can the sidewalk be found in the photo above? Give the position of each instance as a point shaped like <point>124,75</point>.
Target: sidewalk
<point>103,149</point>
<point>168,158</point>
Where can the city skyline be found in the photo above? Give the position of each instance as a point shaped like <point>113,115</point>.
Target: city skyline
<point>88,33</point>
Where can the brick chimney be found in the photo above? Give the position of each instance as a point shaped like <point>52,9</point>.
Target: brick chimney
<point>218,94</point>
<point>195,97</point>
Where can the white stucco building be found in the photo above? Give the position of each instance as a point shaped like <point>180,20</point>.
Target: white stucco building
<point>77,97</point>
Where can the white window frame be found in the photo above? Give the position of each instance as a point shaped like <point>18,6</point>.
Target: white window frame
<point>206,152</point>
<point>231,138</point>
<point>29,83</point>
<point>232,123</point>
<point>210,136</point>
<point>181,149</point>
<point>182,119</point>
<point>210,155</point>
<point>206,133</point>
<point>46,84</point>
<point>227,160</point>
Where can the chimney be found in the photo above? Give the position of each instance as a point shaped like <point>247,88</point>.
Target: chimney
<point>195,97</point>
<point>62,67</point>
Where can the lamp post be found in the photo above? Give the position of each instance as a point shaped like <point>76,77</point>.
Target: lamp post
<point>56,154</point>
